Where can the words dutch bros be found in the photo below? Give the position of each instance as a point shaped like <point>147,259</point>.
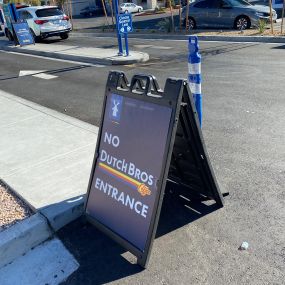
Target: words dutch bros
<point>128,173</point>
<point>128,166</point>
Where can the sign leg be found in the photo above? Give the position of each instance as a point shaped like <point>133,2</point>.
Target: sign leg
<point>142,261</point>
<point>126,44</point>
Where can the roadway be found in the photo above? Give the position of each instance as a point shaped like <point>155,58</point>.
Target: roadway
<point>78,89</point>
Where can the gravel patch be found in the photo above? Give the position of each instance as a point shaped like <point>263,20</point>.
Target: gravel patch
<point>12,208</point>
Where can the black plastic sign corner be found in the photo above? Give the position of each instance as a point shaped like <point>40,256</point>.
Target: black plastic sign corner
<point>145,137</point>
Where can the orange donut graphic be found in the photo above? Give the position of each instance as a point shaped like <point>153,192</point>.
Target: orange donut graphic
<point>140,187</point>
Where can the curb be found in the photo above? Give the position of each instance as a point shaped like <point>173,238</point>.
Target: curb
<point>20,238</point>
<point>29,233</point>
<point>142,57</point>
<point>260,39</point>
<point>63,213</point>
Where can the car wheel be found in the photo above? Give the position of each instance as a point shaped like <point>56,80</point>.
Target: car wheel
<point>139,10</point>
<point>64,36</point>
<point>191,23</point>
<point>242,23</point>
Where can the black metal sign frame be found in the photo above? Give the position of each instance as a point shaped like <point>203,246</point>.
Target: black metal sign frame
<point>177,96</point>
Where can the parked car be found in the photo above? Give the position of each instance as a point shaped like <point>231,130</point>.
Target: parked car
<point>91,11</point>
<point>46,21</point>
<point>226,13</point>
<point>130,8</point>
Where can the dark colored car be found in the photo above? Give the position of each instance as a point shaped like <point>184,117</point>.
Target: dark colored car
<point>239,14</point>
<point>91,11</point>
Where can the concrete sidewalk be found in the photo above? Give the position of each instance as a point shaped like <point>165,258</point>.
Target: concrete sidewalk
<point>45,157</point>
<point>93,55</point>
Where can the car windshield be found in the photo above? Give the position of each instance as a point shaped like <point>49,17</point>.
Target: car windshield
<point>239,3</point>
<point>48,12</point>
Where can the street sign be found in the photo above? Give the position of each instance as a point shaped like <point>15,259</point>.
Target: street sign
<point>125,24</point>
<point>8,16</point>
<point>23,33</point>
<point>147,138</point>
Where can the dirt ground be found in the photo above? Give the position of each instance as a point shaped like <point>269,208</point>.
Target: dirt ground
<point>12,209</point>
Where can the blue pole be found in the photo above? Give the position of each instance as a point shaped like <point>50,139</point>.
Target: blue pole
<point>116,4</point>
<point>194,74</point>
<point>14,12</point>
<point>126,44</point>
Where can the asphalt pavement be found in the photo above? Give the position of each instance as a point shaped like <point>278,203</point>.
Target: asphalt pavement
<point>78,88</point>
<point>243,126</point>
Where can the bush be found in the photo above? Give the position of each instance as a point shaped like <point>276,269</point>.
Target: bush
<point>261,25</point>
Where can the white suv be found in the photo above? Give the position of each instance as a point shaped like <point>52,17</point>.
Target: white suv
<point>46,21</point>
<point>130,8</point>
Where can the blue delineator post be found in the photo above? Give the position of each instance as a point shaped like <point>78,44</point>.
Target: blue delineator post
<point>116,6</point>
<point>194,74</point>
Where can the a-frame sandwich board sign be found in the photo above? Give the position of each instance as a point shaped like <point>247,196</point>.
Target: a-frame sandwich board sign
<point>142,132</point>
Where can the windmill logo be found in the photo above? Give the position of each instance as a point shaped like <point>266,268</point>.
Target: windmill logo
<point>115,107</point>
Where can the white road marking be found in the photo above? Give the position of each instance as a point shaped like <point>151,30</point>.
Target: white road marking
<point>29,72</point>
<point>54,59</point>
<point>142,46</point>
<point>45,76</point>
<point>152,46</point>
<point>50,263</point>
<point>161,47</point>
<point>37,73</point>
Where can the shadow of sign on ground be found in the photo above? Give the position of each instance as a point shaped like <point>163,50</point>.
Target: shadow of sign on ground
<point>279,47</point>
<point>102,260</point>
